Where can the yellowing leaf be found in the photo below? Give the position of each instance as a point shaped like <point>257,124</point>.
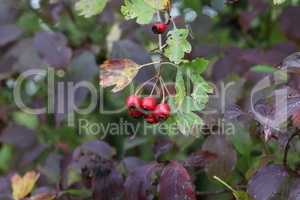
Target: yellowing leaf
<point>22,186</point>
<point>159,4</point>
<point>118,73</point>
<point>43,196</point>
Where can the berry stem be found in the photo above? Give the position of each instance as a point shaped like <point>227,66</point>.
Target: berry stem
<point>153,88</point>
<point>163,89</point>
<point>143,85</point>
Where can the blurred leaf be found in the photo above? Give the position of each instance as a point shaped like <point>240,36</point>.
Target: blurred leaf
<point>218,4</point>
<point>18,136</point>
<point>178,45</point>
<point>175,183</point>
<point>89,8</point>
<point>9,33</point>
<point>53,48</point>
<point>226,159</point>
<point>29,22</point>
<point>289,17</point>
<point>22,186</point>
<point>118,73</point>
<point>267,182</point>
<point>25,119</point>
<point>52,168</point>
<point>138,9</point>
<point>263,69</point>
<point>6,155</point>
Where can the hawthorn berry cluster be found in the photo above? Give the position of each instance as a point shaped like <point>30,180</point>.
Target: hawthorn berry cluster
<point>148,108</point>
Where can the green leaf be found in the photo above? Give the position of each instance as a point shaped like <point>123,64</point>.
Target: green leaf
<point>201,89</point>
<point>263,69</point>
<point>6,154</point>
<point>180,88</point>
<point>89,8</point>
<point>189,105</point>
<point>177,45</point>
<point>25,119</point>
<point>198,65</point>
<point>188,122</point>
<point>138,9</point>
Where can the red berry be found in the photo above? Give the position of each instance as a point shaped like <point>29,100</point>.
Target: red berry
<point>134,113</point>
<point>149,103</point>
<point>159,27</point>
<point>162,111</point>
<point>151,118</point>
<point>134,105</point>
<point>133,101</point>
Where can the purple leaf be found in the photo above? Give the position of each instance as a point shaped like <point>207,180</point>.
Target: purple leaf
<point>82,68</point>
<point>289,17</point>
<point>131,163</point>
<point>199,159</point>
<point>19,136</point>
<point>53,48</point>
<point>267,182</point>
<point>108,187</point>
<point>96,147</point>
<point>175,183</point>
<point>139,184</point>
<point>9,33</point>
<point>226,159</point>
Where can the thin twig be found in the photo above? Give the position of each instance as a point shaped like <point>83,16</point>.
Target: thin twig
<point>148,64</point>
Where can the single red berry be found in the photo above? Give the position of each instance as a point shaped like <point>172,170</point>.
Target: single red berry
<point>151,118</point>
<point>134,106</point>
<point>159,27</point>
<point>162,111</point>
<point>149,103</point>
<point>133,101</point>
